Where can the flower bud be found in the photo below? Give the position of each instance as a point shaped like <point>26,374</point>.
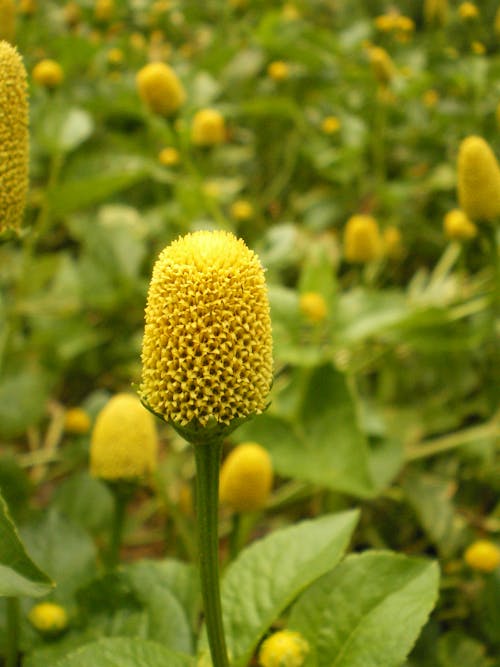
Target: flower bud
<point>169,156</point>
<point>208,128</point>
<point>278,70</point>
<point>124,443</point>
<point>160,89</point>
<point>14,138</point>
<point>104,10</point>
<point>241,210</point>
<point>393,243</point>
<point>382,65</point>
<point>246,478</point>
<point>207,347</point>
<point>48,618</point>
<point>478,179</point>
<point>483,555</point>
<point>468,11</point>
<point>283,649</point>
<point>330,125</point>
<point>76,421</point>
<point>436,11</point>
<point>313,306</point>
<point>458,227</point>
<point>7,20</point>
<point>48,73</point>
<point>362,242</point>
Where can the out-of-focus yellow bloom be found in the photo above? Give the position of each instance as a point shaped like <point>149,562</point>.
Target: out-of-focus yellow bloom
<point>207,347</point>
<point>241,210</point>
<point>185,499</point>
<point>362,241</point>
<point>458,227</point>
<point>381,63</point>
<point>478,48</point>
<point>430,98</point>
<point>246,478</point>
<point>283,649</point>
<point>48,618</point>
<point>313,306</point>
<point>496,24</point>
<point>137,41</point>
<point>436,11</point>
<point>483,555</point>
<point>290,12</point>
<point>104,10</point>
<point>48,73</point>
<point>208,128</point>
<point>14,138</point>
<point>278,70</point>
<point>124,443</point>
<point>467,11</point>
<point>72,14</point>
<point>330,124</point>
<point>169,156</point>
<point>7,20</point>
<point>404,23</point>
<point>211,189</point>
<point>478,179</point>
<point>385,22</point>
<point>393,243</point>
<point>160,88</point>
<point>77,421</point>
<point>27,7</point>
<point>115,57</point>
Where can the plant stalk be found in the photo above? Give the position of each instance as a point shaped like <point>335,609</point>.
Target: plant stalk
<point>12,640</point>
<point>121,500</point>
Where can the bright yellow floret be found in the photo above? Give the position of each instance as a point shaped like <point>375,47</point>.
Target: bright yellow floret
<point>478,179</point>
<point>483,555</point>
<point>124,442</point>
<point>458,227</point>
<point>76,421</point>
<point>362,241</point>
<point>48,618</point>
<point>283,649</point>
<point>313,306</point>
<point>246,478</point>
<point>14,138</point>
<point>207,348</point>
<point>208,128</point>
<point>160,88</point>
<point>48,73</point>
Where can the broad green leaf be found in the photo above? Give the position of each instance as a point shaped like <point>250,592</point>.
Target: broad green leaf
<point>457,649</point>
<point>267,576</point>
<point>23,395</point>
<point>62,129</point>
<point>368,611</point>
<point>122,652</point>
<point>18,573</point>
<point>86,501</point>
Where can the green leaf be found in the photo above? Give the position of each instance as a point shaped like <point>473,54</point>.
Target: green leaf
<point>122,652</point>
<point>23,395</point>
<point>18,573</point>
<point>86,501</point>
<point>267,576</point>
<point>63,130</point>
<point>368,611</point>
<point>457,649</point>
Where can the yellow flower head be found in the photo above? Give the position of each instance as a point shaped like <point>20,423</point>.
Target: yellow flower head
<point>458,227</point>
<point>27,7</point>
<point>160,88</point>
<point>386,22</point>
<point>330,125</point>
<point>246,478</point>
<point>124,443</point>
<point>14,138</point>
<point>115,56</point>
<point>241,210</point>
<point>76,421</point>
<point>104,10</point>
<point>436,11</point>
<point>313,306</point>
<point>48,73</point>
<point>478,48</point>
<point>283,649</point>
<point>393,243</point>
<point>467,11</point>
<point>48,618</point>
<point>7,20</point>
<point>278,70</point>
<point>208,128</point>
<point>169,156</point>
<point>381,63</point>
<point>362,242</point>
<point>207,348</point>
<point>478,179</point>
<point>483,555</point>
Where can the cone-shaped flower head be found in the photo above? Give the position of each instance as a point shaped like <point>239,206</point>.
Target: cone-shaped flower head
<point>160,88</point>
<point>7,20</point>
<point>124,442</point>
<point>283,649</point>
<point>362,241</point>
<point>483,555</point>
<point>207,348</point>
<point>208,128</point>
<point>458,227</point>
<point>48,618</point>
<point>478,179</point>
<point>246,478</point>
<point>14,138</point>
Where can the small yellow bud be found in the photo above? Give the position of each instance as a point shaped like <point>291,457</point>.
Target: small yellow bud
<point>393,243</point>
<point>208,128</point>
<point>362,242</point>
<point>169,156</point>
<point>48,618</point>
<point>330,125</point>
<point>382,65</point>
<point>124,443</point>
<point>160,88</point>
<point>458,227</point>
<point>483,555</point>
<point>104,10</point>
<point>283,649</point>
<point>115,57</point>
<point>430,98</point>
<point>436,11</point>
<point>278,70</point>
<point>478,48</point>
<point>385,22</point>
<point>467,11</point>
<point>241,210</point>
<point>246,478</point>
<point>76,421</point>
<point>48,73</point>
<point>313,306</point>
<point>478,179</point>
<point>7,20</point>
<point>14,138</point>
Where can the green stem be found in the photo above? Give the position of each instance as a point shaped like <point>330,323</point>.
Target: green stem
<point>207,502</point>
<point>11,653</point>
<point>121,500</point>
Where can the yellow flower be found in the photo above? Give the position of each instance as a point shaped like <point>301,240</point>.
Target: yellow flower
<point>137,41</point>
<point>246,478</point>
<point>483,555</point>
<point>381,63</point>
<point>14,138</point>
<point>283,649</point>
<point>278,70</point>
<point>48,73</point>
<point>313,306</point>
<point>27,7</point>
<point>72,13</point>
<point>458,227</point>
<point>77,421</point>
<point>478,48</point>
<point>115,56</point>
<point>160,88</point>
<point>241,210</point>
<point>48,618</point>
<point>104,10</point>
<point>467,11</point>
<point>478,179</point>
<point>330,125</point>
<point>386,22</point>
<point>169,156</point>
<point>208,128</point>
<point>436,11</point>
<point>124,443</point>
<point>207,348</point>
<point>430,98</point>
<point>7,20</point>
<point>404,23</point>
<point>362,242</point>
<point>393,243</point>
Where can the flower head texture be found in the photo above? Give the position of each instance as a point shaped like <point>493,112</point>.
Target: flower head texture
<point>362,240</point>
<point>207,348</point>
<point>283,649</point>
<point>208,128</point>
<point>478,179</point>
<point>48,618</point>
<point>14,138</point>
<point>160,88</point>
<point>7,20</point>
<point>124,443</point>
<point>483,556</point>
<point>246,478</point>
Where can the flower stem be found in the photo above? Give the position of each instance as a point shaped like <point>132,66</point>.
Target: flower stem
<point>121,500</point>
<point>207,500</point>
<point>11,652</point>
